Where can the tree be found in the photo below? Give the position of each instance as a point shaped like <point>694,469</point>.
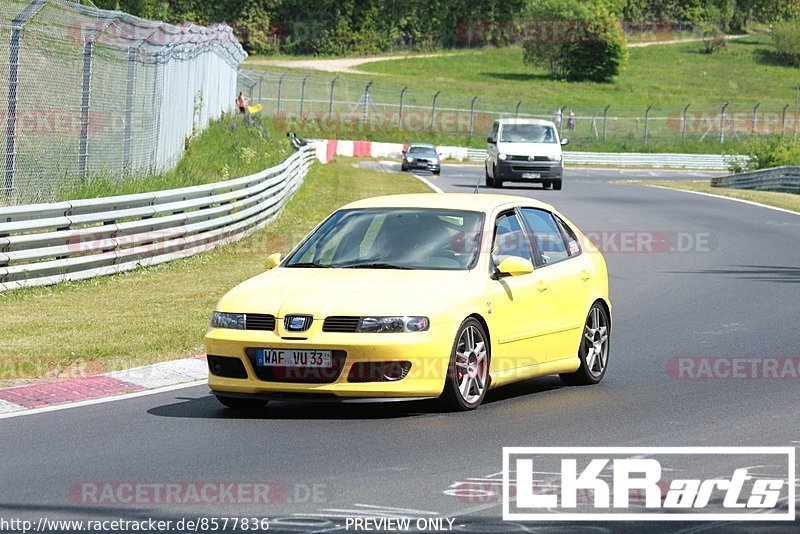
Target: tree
<point>576,40</point>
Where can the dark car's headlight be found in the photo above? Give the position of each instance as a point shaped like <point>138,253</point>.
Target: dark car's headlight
<point>227,320</point>
<point>393,324</point>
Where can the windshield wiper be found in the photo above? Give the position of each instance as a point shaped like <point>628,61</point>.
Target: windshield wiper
<point>309,264</point>
<point>375,265</point>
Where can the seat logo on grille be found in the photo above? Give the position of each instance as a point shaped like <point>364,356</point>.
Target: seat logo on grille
<point>297,323</point>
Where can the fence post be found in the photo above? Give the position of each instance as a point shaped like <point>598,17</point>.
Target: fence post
<point>280,88</point>
<point>365,118</point>
<point>330,101</point>
<point>684,122</point>
<point>303,94</point>
<point>723,115</point>
<point>13,82</point>
<point>129,93</point>
<point>755,111</point>
<point>472,114</point>
<point>516,110</point>
<point>86,94</point>
<point>433,108</point>
<point>260,83</point>
<point>605,121</point>
<point>647,123</point>
<point>783,120</point>
<point>796,112</point>
<point>400,113</point>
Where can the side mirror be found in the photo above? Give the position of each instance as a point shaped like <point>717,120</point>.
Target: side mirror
<point>490,140</point>
<point>564,142</point>
<point>514,266</point>
<point>273,260</point>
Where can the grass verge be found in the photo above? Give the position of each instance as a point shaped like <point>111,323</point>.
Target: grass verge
<point>787,201</point>
<point>160,313</point>
<point>228,148</point>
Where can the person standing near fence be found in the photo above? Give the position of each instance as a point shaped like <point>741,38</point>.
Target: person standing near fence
<point>571,121</point>
<point>558,118</point>
<point>241,102</point>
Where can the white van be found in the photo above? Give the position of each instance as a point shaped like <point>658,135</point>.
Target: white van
<point>524,150</point>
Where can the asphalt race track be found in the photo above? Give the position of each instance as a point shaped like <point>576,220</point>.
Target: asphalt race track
<point>722,280</point>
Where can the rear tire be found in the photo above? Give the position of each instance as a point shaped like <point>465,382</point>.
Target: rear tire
<point>468,372</point>
<point>556,184</point>
<point>594,349</point>
<point>241,404</point>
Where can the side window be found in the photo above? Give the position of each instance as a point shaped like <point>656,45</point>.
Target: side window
<point>573,245</point>
<point>549,240</point>
<point>495,128</point>
<point>509,239</point>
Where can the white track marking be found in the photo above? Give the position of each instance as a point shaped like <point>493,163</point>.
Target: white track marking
<point>92,402</point>
<point>427,182</point>
<point>757,204</point>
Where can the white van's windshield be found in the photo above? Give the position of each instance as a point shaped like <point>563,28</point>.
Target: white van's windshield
<point>527,133</point>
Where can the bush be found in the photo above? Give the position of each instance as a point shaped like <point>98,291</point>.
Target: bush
<point>786,36</point>
<point>772,151</point>
<point>585,43</point>
<point>714,40</point>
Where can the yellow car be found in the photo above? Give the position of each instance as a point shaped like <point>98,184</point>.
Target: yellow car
<point>416,296</point>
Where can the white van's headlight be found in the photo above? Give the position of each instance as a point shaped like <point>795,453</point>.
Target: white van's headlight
<point>501,156</point>
<point>556,157</point>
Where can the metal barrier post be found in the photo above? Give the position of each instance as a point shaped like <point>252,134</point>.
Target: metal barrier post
<point>723,117</point>
<point>400,114</point>
<point>647,123</point>
<point>684,122</point>
<point>130,87</point>
<point>433,108</point>
<point>13,82</point>
<point>280,87</point>
<point>605,121</point>
<point>516,110</point>
<point>303,94</point>
<point>472,114</point>
<point>783,120</point>
<point>365,117</point>
<point>330,101</point>
<point>755,111</point>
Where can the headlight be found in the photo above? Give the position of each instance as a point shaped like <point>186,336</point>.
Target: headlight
<point>557,157</point>
<point>501,156</point>
<point>393,324</point>
<point>227,320</point>
<point>410,159</point>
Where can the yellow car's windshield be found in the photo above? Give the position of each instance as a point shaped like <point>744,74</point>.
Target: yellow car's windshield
<point>393,238</point>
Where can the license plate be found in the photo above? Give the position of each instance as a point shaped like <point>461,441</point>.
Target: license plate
<point>293,358</point>
<point>531,175</point>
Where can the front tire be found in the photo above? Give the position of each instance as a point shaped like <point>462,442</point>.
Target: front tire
<point>489,181</point>
<point>556,184</point>
<point>241,404</point>
<point>593,352</point>
<point>468,372</point>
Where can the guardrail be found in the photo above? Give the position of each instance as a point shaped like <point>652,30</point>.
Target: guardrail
<point>43,244</point>
<point>780,179</point>
<point>710,162</point>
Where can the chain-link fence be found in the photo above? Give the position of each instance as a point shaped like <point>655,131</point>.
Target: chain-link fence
<point>103,93</point>
<point>378,110</point>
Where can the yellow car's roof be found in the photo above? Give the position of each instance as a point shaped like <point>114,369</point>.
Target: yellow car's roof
<point>462,201</point>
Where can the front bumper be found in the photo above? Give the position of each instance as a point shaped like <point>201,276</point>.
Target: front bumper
<point>515,171</point>
<point>428,356</point>
<point>427,165</point>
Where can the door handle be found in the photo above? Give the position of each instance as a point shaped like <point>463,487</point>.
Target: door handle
<point>541,285</point>
<point>585,275</point>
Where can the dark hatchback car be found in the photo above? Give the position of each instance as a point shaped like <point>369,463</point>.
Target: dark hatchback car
<point>421,156</point>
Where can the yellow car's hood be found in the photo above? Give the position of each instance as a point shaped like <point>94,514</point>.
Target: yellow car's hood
<point>325,292</point>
